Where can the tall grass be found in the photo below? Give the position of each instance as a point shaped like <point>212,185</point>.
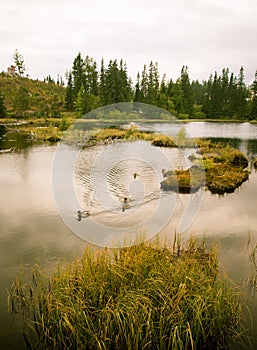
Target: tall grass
<point>145,297</point>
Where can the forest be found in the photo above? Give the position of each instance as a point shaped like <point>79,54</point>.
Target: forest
<point>223,96</point>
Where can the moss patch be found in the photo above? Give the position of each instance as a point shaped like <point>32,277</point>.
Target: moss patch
<point>184,181</point>
<point>221,169</point>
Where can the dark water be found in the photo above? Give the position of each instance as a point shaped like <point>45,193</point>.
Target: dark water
<point>32,228</point>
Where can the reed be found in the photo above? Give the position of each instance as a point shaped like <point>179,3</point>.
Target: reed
<point>142,297</point>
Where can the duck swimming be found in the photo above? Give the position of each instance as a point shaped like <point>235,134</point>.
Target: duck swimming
<point>83,214</point>
<point>125,204</point>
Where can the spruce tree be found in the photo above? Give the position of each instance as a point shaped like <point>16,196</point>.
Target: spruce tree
<point>225,92</point>
<point>138,93</point>
<point>102,84</point>
<point>242,94</point>
<point>77,73</point>
<point>232,96</point>
<point>117,83</point>
<point>153,84</point>
<point>162,98</point>
<point>69,101</point>
<point>177,98</point>
<point>112,83</point>
<point>144,84</point>
<point>253,103</point>
<point>187,105</point>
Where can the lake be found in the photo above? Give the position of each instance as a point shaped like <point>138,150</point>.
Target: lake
<point>38,212</point>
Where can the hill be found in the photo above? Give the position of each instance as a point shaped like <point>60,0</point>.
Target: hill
<point>24,97</point>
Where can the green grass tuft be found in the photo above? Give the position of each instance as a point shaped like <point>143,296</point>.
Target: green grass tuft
<point>143,297</point>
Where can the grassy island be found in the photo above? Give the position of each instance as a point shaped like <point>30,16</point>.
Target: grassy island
<point>142,297</point>
<point>220,168</point>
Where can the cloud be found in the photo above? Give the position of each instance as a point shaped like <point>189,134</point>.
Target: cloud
<point>206,35</point>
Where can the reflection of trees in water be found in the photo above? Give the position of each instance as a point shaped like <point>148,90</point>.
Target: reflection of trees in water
<point>233,142</point>
<point>252,147</point>
<point>248,146</point>
<point>14,138</point>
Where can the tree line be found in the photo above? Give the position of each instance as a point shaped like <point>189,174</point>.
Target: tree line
<point>222,96</point>
<point>89,86</point>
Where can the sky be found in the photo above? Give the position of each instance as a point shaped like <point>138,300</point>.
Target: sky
<point>205,35</point>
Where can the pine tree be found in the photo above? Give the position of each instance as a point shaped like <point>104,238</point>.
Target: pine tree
<point>69,101</point>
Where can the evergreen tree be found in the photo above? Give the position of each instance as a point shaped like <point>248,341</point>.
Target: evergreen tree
<point>213,100</point>
<point>90,76</point>
<point>102,84</point>
<point>225,93</point>
<point>232,96</point>
<point>177,96</point>
<point>144,84</point>
<point>162,98</point>
<point>49,80</point>
<point>198,91</point>
<point>187,104</point>
<point>111,83</point>
<point>77,72</point>
<point>138,94</point>
<point>124,83</point>
<point>207,97</point>
<point>80,102</point>
<point>117,84</point>
<point>86,102</point>
<point>242,94</point>
<point>253,104</point>
<point>69,101</point>
<point>19,63</point>
<point>153,84</point>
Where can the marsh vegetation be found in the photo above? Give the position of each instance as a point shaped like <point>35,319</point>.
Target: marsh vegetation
<point>142,297</point>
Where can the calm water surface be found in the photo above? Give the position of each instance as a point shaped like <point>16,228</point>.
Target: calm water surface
<point>31,227</point>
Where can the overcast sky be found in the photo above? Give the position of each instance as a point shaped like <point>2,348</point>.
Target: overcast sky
<point>205,35</point>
